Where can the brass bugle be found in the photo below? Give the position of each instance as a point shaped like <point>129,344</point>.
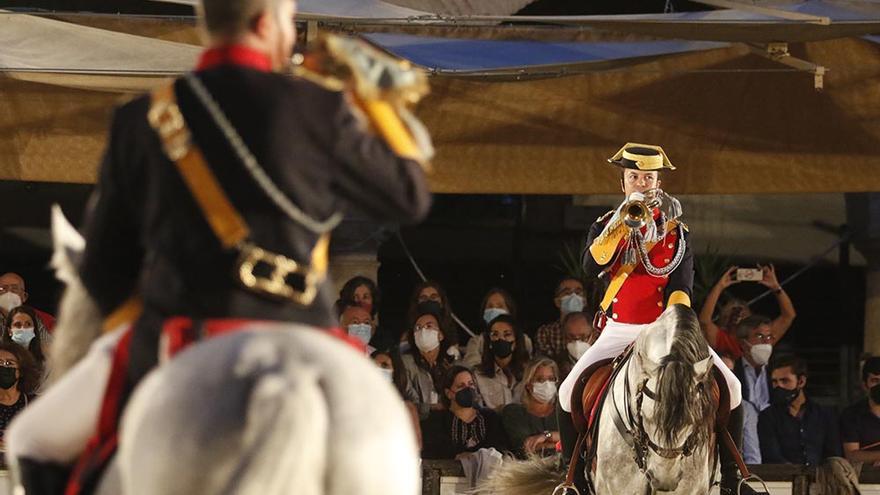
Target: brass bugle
<point>636,214</point>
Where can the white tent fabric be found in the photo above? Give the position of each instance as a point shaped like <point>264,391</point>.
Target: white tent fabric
<point>397,9</point>
<point>46,50</point>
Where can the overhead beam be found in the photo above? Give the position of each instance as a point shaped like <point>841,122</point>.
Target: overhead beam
<point>757,9</point>
<point>778,52</point>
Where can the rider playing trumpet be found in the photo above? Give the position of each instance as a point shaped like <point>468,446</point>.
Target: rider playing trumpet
<point>641,248</point>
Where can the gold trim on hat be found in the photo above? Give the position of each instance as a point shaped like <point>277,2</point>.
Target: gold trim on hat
<point>644,162</point>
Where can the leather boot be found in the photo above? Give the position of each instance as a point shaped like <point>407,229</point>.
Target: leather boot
<point>40,477</point>
<point>730,474</point>
<point>568,435</point>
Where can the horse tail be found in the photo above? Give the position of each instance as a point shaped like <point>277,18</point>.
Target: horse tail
<point>533,475</point>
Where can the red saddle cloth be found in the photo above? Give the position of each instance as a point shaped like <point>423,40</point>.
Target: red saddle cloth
<point>178,332</point>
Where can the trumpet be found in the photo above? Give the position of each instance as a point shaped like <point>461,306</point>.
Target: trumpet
<point>637,212</point>
<point>382,86</point>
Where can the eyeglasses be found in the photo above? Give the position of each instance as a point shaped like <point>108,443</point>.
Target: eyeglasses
<point>425,327</point>
<point>8,363</point>
<point>763,338</point>
<point>568,292</point>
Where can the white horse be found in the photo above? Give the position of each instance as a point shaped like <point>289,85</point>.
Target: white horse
<point>274,408</point>
<point>655,426</point>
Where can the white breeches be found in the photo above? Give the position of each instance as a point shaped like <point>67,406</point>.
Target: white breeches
<point>612,342</point>
<point>57,426</point>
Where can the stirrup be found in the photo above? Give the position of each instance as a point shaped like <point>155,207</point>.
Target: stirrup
<point>564,487</point>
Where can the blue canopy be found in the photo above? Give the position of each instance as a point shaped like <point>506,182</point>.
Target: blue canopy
<point>464,56</point>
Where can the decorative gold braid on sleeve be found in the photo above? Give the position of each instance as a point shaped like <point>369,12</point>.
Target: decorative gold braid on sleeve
<point>604,246</point>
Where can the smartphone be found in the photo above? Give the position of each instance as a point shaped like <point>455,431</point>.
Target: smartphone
<point>749,274</point>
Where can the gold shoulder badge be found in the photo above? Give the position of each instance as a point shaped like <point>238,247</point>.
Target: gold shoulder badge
<point>683,225</point>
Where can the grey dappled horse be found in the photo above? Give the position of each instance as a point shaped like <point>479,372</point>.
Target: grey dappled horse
<point>661,400</point>
<point>273,409</point>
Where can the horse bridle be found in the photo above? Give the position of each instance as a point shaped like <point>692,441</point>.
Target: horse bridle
<point>635,435</point>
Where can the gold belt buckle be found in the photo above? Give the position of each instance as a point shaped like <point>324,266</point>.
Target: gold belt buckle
<point>281,268</point>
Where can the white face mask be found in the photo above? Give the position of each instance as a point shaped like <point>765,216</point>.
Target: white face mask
<point>388,374</point>
<point>544,391</point>
<point>9,300</point>
<point>491,313</point>
<point>361,331</point>
<point>427,339</point>
<point>571,303</point>
<point>577,348</point>
<point>761,353</point>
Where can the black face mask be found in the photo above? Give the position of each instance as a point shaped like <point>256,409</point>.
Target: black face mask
<point>7,377</point>
<point>783,397</point>
<point>501,348</point>
<point>874,394</point>
<point>430,307</point>
<point>465,397</point>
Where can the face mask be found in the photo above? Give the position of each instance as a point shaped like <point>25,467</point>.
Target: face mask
<point>572,303</point>
<point>361,331</point>
<point>874,394</point>
<point>577,348</point>
<point>388,374</point>
<point>501,348</point>
<point>430,307</point>
<point>492,313</point>
<point>23,336</point>
<point>7,377</point>
<point>782,396</point>
<point>761,353</point>
<point>427,339</point>
<point>465,397</point>
<point>544,391</point>
<point>9,300</point>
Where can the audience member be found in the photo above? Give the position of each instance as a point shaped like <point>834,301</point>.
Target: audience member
<point>497,302</point>
<point>463,426</point>
<point>19,378</point>
<point>568,298</point>
<point>426,364</point>
<point>860,422</point>
<point>794,429</point>
<point>499,376</point>
<point>756,346</point>
<point>391,366</point>
<point>579,335</point>
<point>430,296</point>
<point>13,293</point>
<point>356,320</point>
<point>21,328</point>
<point>531,425</point>
<point>720,332</point>
<point>363,292</point>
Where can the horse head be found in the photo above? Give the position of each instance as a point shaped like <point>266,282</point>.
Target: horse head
<point>671,402</point>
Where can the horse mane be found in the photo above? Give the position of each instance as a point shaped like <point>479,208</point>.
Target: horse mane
<point>680,402</point>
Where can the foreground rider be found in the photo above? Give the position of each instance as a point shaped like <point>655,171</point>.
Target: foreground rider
<point>302,155</point>
<point>648,263</point>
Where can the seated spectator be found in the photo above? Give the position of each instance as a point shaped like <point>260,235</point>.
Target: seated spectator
<point>390,364</point>
<point>496,303</point>
<point>463,426</point>
<point>568,298</point>
<point>756,346</point>
<point>860,422</point>
<point>499,376</point>
<point>356,320</point>
<point>720,332</point>
<point>21,328</point>
<point>19,378</point>
<point>430,296</point>
<point>531,426</point>
<point>579,335</point>
<point>426,365</point>
<point>794,429</point>
<point>13,293</point>
<point>363,292</point>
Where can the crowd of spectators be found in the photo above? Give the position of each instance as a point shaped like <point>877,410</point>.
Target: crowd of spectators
<point>498,389</point>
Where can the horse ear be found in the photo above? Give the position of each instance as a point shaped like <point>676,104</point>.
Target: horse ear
<point>702,367</point>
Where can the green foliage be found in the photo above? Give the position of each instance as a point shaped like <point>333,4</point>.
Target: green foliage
<point>570,266</point>
<point>708,268</point>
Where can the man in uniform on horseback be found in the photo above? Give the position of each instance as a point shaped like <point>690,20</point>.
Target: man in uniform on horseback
<point>215,202</point>
<point>641,249</point>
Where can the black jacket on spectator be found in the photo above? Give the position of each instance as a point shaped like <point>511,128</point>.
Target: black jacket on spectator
<point>145,233</point>
<point>808,439</point>
<point>859,425</point>
<point>437,442</point>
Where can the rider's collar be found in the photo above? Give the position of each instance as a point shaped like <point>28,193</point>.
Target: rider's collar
<point>236,55</point>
